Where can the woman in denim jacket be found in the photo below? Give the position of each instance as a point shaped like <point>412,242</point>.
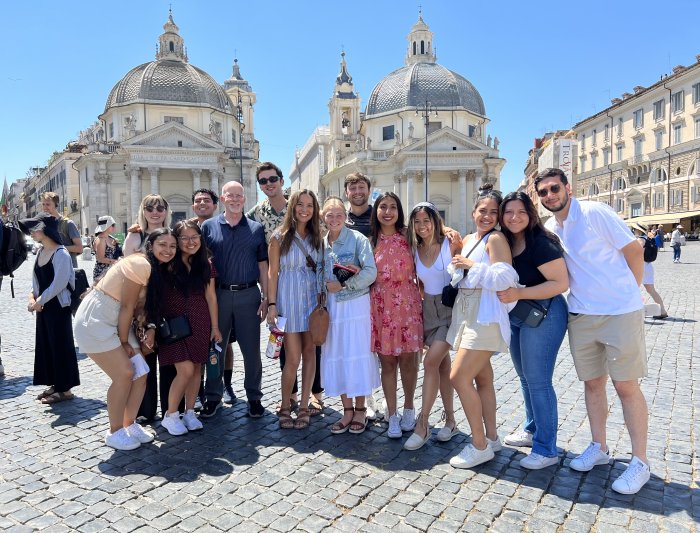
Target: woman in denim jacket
<point>349,369</point>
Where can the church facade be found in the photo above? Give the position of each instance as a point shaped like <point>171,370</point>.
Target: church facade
<point>421,105</point>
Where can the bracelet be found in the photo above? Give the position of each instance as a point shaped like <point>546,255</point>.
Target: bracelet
<point>271,304</point>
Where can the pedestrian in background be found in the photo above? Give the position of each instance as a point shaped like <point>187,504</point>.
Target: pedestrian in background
<point>641,232</point>
<point>55,361</point>
<point>397,321</point>
<point>107,248</point>
<point>676,242</point>
<point>539,261</point>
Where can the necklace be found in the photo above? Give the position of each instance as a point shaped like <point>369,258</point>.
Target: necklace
<point>430,251</point>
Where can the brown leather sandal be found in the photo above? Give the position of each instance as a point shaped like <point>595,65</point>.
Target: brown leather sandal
<point>357,427</point>
<point>285,418</point>
<point>303,420</point>
<point>339,427</point>
<point>315,406</point>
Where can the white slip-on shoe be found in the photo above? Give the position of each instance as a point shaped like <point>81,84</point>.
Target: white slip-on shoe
<point>415,441</point>
<point>535,461</point>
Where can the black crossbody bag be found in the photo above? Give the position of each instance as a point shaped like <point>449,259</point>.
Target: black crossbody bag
<point>449,293</point>
<point>531,312</point>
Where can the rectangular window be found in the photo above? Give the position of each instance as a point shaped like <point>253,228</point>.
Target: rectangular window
<point>659,139</point>
<point>594,161</point>
<point>111,130</point>
<point>677,102</point>
<point>606,134</point>
<point>434,126</point>
<point>387,133</point>
<point>638,148</point>
<point>472,129</point>
<point>638,119</point>
<point>697,128</point>
<point>696,94</point>
<point>583,165</point>
<point>593,136</point>
<point>659,109</point>
<point>620,126</point>
<point>619,205</point>
<point>583,141</point>
<point>619,152</point>
<point>606,157</point>
<point>677,134</point>
<point>636,210</point>
<point>179,120</point>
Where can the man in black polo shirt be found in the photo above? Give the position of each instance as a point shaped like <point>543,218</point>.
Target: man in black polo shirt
<point>240,257</point>
<point>357,187</point>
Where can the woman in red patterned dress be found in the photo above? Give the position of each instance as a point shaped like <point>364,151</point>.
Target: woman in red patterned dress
<point>397,321</point>
<point>189,290</point>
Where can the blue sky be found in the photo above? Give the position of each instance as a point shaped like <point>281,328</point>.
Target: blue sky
<point>539,67</point>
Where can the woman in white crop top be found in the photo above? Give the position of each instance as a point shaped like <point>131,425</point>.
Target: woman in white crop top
<point>433,254</point>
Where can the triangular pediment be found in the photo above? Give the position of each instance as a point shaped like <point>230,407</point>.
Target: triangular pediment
<point>634,192</point>
<point>172,135</point>
<point>446,139</point>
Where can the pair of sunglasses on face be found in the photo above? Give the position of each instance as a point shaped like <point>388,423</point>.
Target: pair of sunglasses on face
<point>151,208</point>
<point>542,193</point>
<point>271,179</point>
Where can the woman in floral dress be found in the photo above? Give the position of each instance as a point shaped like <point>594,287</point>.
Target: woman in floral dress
<point>397,322</point>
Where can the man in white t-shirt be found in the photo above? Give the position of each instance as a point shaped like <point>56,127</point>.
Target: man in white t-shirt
<point>606,319</point>
<point>676,243</point>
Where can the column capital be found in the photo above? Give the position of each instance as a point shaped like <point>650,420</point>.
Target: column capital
<point>462,173</point>
<point>154,170</point>
<point>196,172</point>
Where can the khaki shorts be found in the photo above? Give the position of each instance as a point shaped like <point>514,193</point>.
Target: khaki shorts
<point>465,332</point>
<point>608,344</point>
<point>95,324</point>
<point>436,319</point>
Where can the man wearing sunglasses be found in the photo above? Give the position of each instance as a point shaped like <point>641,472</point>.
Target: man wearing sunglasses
<point>606,319</point>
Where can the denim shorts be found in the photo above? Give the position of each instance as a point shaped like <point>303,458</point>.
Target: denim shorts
<point>95,326</point>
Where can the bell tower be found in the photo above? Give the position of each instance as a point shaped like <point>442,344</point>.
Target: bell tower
<point>344,108</point>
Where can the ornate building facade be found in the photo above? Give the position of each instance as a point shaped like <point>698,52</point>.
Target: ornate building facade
<point>388,141</point>
<point>168,128</point>
<point>641,155</point>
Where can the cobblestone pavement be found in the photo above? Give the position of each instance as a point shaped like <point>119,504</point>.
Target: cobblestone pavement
<point>246,474</point>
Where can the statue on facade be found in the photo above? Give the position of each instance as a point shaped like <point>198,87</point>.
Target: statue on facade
<point>215,130</point>
<point>496,142</point>
<point>488,141</point>
<point>397,137</point>
<point>358,144</point>
<point>130,125</point>
<point>369,143</point>
<point>477,132</point>
<point>410,130</point>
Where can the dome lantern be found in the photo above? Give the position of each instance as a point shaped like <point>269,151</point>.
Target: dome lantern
<point>420,43</point>
<point>171,44</point>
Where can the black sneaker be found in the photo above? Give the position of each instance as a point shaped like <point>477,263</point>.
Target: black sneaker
<point>255,409</point>
<point>210,408</point>
<point>229,395</point>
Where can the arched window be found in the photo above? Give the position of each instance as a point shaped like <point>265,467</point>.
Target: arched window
<point>414,47</point>
<point>422,47</point>
<point>171,45</point>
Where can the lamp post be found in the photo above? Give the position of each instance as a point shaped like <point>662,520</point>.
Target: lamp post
<point>239,116</point>
<point>424,111</point>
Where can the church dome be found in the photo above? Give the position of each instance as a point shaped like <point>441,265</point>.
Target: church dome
<point>169,79</point>
<point>423,79</point>
<point>412,85</point>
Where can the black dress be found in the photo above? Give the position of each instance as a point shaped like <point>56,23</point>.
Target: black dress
<point>55,361</point>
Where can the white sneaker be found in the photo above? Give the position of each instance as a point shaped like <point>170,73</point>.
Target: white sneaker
<point>140,434</point>
<point>408,420</point>
<point>384,413</point>
<point>191,422</point>
<point>519,439</point>
<point>632,479</point>
<point>394,427</point>
<point>446,433</point>
<point>495,445</point>
<point>535,461</point>
<point>591,456</point>
<point>370,404</point>
<point>173,424</point>
<point>121,440</point>
<point>470,457</point>
<point>198,404</point>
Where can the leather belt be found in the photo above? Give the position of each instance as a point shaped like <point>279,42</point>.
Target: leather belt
<point>236,287</point>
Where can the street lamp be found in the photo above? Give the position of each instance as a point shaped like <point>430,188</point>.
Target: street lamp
<point>239,116</point>
<point>424,111</point>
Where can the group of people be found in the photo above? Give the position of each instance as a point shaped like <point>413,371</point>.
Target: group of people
<point>389,283</point>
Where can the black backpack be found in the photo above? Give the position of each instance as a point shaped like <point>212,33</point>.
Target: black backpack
<point>650,250</point>
<point>13,251</point>
<point>77,293</point>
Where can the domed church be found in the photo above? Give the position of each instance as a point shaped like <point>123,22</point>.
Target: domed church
<point>167,128</point>
<point>388,141</point>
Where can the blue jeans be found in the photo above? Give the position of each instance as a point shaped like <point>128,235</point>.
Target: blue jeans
<point>676,251</point>
<point>534,352</point>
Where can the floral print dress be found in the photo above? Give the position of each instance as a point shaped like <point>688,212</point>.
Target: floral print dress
<point>397,321</point>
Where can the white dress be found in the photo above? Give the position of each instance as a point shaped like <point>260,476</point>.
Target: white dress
<point>348,365</point>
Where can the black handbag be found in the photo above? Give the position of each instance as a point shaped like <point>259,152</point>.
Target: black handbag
<point>76,293</point>
<point>531,313</point>
<point>449,293</point>
<point>170,330</point>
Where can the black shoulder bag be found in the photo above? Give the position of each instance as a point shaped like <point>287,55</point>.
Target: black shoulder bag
<point>449,293</point>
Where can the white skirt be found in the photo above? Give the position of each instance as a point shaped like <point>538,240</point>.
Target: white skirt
<point>348,366</point>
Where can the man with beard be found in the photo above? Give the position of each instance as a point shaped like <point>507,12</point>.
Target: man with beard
<point>606,319</point>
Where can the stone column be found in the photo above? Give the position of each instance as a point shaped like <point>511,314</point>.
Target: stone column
<point>420,188</point>
<point>397,185</point>
<point>410,182</point>
<point>463,200</point>
<point>214,174</point>
<point>134,194</point>
<point>154,179</point>
<point>472,191</point>
<point>196,179</point>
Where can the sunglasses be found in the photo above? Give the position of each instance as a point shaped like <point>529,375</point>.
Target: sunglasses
<point>151,208</point>
<point>271,179</point>
<point>542,193</point>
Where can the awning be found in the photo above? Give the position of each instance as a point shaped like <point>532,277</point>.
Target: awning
<point>663,218</point>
